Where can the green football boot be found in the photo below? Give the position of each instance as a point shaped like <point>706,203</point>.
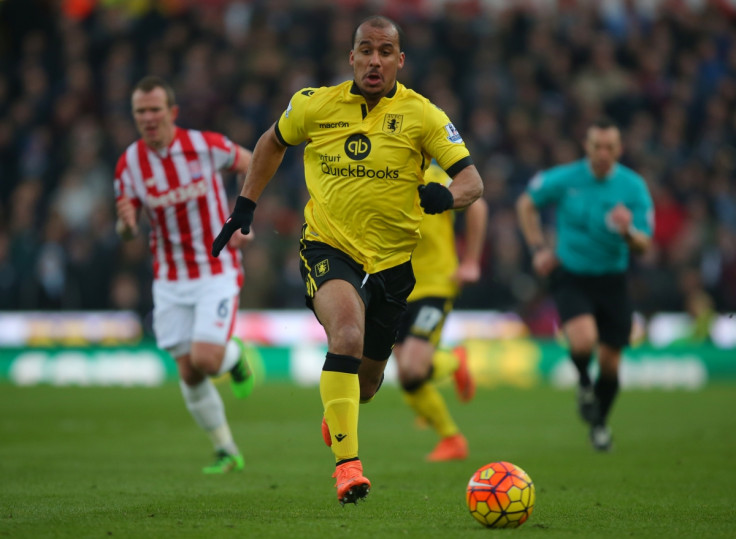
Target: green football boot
<point>241,375</point>
<point>224,463</point>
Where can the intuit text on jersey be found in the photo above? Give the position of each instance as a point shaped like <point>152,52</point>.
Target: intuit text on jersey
<point>359,171</point>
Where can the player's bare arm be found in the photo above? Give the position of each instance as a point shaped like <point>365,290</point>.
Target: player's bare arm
<point>466,187</point>
<point>127,223</point>
<point>544,260</point>
<point>243,160</point>
<point>476,220</point>
<point>529,222</point>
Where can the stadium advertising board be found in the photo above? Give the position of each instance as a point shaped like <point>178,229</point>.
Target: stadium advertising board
<point>112,349</point>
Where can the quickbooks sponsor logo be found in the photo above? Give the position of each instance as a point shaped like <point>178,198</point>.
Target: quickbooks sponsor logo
<point>357,147</point>
<point>359,171</point>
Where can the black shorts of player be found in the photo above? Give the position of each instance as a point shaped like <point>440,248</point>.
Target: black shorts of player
<point>424,319</point>
<point>605,297</point>
<point>384,293</point>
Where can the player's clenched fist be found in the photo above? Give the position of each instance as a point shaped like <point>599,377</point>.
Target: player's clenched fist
<point>435,198</point>
<point>240,218</point>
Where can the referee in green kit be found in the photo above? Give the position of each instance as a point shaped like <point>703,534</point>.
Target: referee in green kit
<point>603,211</point>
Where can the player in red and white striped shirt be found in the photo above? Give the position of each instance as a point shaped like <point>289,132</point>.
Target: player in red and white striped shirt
<point>173,175</point>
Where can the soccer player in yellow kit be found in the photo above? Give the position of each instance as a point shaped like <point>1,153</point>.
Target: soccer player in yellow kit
<point>368,142</point>
<point>439,275</point>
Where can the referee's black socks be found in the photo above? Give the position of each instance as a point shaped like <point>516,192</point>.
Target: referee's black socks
<point>581,362</point>
<point>606,389</point>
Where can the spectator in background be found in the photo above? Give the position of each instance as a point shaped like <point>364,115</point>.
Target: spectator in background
<point>603,211</point>
<point>673,64</point>
<point>173,174</point>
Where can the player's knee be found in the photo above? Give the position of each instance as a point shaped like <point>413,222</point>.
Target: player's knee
<point>347,339</point>
<point>412,384</point>
<point>608,366</point>
<point>367,392</point>
<point>412,377</point>
<point>189,375</point>
<point>205,363</point>
<point>582,347</point>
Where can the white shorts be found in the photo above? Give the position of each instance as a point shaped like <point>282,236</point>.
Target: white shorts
<point>200,310</point>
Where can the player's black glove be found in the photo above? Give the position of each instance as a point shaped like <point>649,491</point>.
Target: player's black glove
<point>435,198</point>
<point>240,218</point>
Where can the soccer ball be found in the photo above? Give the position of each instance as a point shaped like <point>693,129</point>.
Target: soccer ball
<point>500,495</point>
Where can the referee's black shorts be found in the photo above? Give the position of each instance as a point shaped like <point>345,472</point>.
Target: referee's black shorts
<point>604,296</point>
<point>384,293</point>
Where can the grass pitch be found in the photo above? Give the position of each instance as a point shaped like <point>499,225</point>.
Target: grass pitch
<point>125,462</point>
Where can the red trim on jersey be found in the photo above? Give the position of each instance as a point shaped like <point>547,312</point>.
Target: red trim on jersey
<point>181,212</point>
<point>236,160</point>
<point>221,214</point>
<point>163,233</point>
<point>217,140</point>
<point>202,204</point>
<point>120,167</point>
<point>236,302</point>
<point>147,173</point>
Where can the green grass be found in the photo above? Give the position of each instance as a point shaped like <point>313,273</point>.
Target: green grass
<point>113,462</point>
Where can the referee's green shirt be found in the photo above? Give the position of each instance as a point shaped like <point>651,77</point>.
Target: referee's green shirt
<point>586,243</point>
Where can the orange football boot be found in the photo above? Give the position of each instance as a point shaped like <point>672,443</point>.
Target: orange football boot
<point>464,383</point>
<point>350,483</point>
<point>451,448</point>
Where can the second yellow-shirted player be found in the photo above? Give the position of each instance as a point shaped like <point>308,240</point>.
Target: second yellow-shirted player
<point>439,276</point>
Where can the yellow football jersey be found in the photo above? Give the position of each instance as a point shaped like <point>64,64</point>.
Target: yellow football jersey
<point>435,258</point>
<point>363,168</point>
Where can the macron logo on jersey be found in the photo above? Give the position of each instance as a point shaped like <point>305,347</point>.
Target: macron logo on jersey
<point>453,135</point>
<point>332,125</point>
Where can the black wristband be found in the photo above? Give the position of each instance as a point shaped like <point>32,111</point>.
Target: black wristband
<point>244,205</point>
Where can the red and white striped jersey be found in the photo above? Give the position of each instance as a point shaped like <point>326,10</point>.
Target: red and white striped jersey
<point>181,190</point>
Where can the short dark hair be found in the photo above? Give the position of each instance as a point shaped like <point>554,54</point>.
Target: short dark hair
<point>604,122</point>
<point>379,21</point>
<point>150,82</point>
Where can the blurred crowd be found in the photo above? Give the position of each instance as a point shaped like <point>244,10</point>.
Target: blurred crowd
<point>521,80</point>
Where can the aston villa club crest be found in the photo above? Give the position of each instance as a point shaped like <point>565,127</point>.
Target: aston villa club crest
<point>321,268</point>
<point>392,123</point>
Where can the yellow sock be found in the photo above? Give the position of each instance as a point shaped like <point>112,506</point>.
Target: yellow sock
<point>428,403</point>
<point>444,363</point>
<point>340,392</point>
